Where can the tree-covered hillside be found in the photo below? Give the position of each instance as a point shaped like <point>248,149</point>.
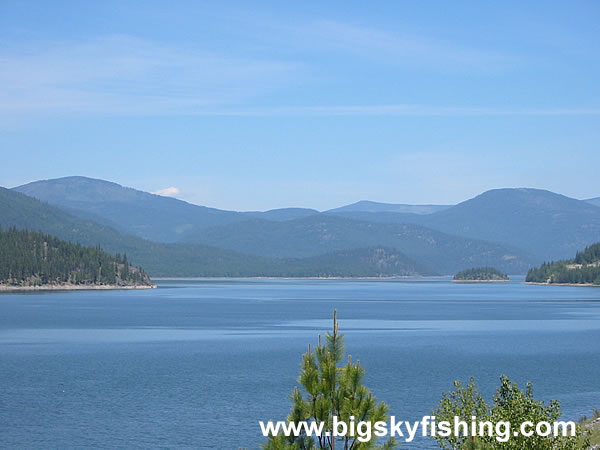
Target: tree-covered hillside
<point>149,216</point>
<point>315,241</point>
<point>583,269</point>
<point>481,274</point>
<point>531,225</point>
<point>35,259</point>
<point>158,259</point>
<point>193,260</point>
<point>369,262</point>
<point>321,234</point>
<point>544,224</point>
<point>590,255</point>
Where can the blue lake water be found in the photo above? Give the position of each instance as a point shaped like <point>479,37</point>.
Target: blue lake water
<point>196,363</point>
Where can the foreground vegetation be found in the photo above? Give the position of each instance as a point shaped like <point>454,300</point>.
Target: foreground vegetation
<point>583,269</point>
<point>331,388</point>
<point>327,391</point>
<point>30,259</point>
<point>591,431</point>
<point>509,405</point>
<point>481,274</point>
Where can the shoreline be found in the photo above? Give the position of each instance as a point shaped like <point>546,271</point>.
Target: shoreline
<point>73,287</point>
<point>562,284</point>
<point>481,281</point>
<point>398,277</point>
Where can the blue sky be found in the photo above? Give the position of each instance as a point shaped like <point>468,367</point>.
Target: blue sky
<point>258,105</point>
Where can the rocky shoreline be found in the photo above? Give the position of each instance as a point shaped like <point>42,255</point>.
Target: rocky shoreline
<point>73,287</point>
<point>480,281</point>
<point>562,284</point>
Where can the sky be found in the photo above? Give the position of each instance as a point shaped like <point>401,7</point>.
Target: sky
<point>259,105</point>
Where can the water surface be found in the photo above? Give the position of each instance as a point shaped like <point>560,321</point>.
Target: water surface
<point>196,363</point>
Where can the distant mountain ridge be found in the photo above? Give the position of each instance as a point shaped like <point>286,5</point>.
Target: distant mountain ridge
<point>377,207</point>
<point>164,259</point>
<point>507,228</point>
<point>281,214</point>
<point>23,212</point>
<point>319,234</point>
<point>594,201</point>
<point>150,216</point>
<point>540,222</point>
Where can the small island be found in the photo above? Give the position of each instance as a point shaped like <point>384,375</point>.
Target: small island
<point>36,261</point>
<point>480,275</point>
<point>583,270</point>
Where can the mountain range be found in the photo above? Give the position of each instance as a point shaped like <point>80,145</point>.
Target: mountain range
<point>545,224</point>
<point>511,229</point>
<point>324,233</point>
<point>150,216</point>
<point>376,207</point>
<point>594,201</point>
<point>171,259</point>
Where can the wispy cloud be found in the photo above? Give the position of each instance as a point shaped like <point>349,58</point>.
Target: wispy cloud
<point>168,192</point>
<point>397,110</point>
<point>126,75</point>
<point>400,48</point>
<point>122,75</point>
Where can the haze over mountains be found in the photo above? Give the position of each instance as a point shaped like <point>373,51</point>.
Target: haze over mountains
<point>545,224</point>
<point>150,216</point>
<point>166,259</point>
<point>511,229</point>
<point>376,207</point>
<point>548,225</point>
<point>319,234</point>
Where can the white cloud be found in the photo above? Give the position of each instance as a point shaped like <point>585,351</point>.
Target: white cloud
<point>168,192</point>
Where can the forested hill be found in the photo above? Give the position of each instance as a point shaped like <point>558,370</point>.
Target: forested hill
<point>305,243</point>
<point>583,269</point>
<point>30,259</point>
<point>481,274</point>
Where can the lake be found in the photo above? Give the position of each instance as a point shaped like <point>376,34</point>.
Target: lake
<point>196,363</point>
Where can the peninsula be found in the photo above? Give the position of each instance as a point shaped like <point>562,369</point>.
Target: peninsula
<point>36,261</point>
<point>583,270</point>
